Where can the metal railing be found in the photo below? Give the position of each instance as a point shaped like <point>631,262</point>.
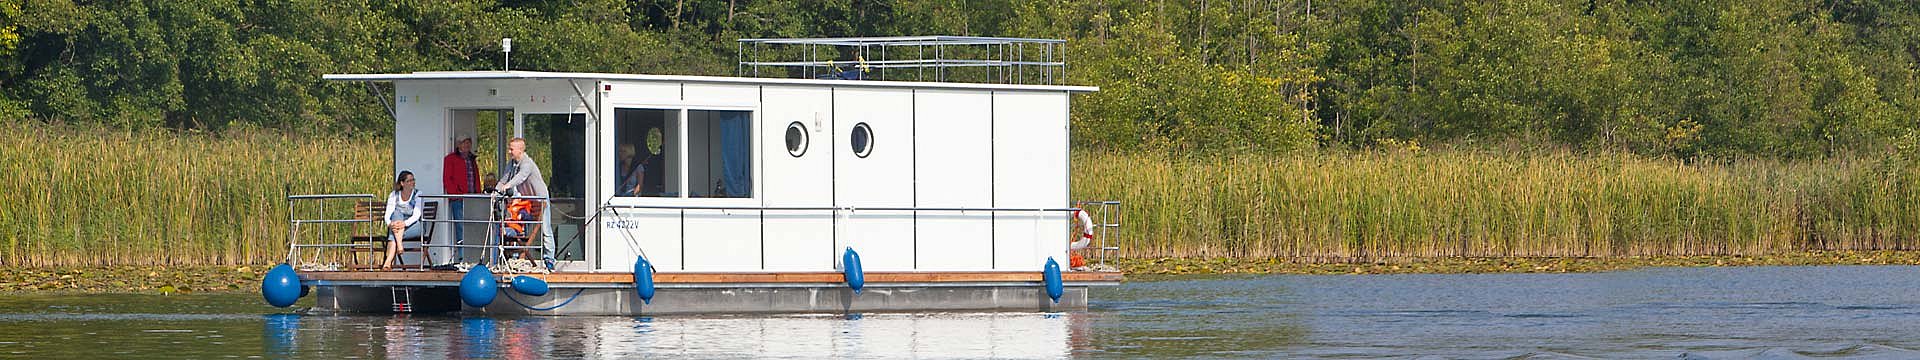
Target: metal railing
<point>997,60</point>
<point>1106,214</point>
<point>494,240</point>
<point>321,201</point>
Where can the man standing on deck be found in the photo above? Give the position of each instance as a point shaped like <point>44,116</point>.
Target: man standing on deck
<point>460,177</point>
<point>523,178</point>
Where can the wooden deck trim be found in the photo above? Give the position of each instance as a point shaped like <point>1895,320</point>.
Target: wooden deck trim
<point>722,278</point>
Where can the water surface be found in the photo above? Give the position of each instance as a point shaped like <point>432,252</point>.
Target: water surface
<point>1693,313</point>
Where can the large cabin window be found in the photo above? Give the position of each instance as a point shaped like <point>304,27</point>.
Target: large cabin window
<point>646,153</point>
<point>720,153</point>
<point>718,159</point>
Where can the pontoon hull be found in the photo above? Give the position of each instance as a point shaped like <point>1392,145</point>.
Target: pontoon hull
<point>372,293</point>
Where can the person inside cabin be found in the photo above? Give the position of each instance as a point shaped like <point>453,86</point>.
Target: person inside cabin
<point>523,178</point>
<point>631,169</point>
<point>459,178</point>
<point>403,215</point>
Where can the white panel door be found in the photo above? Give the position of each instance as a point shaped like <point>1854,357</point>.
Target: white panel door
<point>1029,172</point>
<point>421,116</point>
<point>953,150</point>
<point>878,175</point>
<point>798,240</point>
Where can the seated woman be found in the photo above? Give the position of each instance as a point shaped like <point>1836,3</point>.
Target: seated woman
<point>403,215</point>
<point>632,170</point>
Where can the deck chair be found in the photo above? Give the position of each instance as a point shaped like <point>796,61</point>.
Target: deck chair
<point>373,240</point>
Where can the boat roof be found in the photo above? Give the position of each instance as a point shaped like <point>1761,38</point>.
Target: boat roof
<point>543,75</point>
<point>904,40</point>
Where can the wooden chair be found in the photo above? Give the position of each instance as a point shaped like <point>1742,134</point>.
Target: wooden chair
<point>373,240</point>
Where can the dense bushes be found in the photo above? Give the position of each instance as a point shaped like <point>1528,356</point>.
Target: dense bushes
<point>1730,78</point>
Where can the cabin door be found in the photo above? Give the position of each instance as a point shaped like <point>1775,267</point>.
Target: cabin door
<point>489,129</point>
<point>558,144</point>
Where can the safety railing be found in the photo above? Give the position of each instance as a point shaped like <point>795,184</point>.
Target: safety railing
<point>494,241</point>
<point>1105,213</point>
<point>494,237</point>
<point>322,204</point>
<point>994,60</point>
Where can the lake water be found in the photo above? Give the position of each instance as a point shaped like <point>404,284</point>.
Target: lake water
<point>1687,313</point>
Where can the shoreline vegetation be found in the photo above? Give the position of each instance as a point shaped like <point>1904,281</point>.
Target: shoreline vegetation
<point>209,279</point>
<point>155,197</point>
<point>1360,206</point>
<point>1155,268</point>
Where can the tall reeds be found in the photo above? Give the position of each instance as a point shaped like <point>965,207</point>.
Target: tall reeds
<point>97,197</point>
<point>100,197</point>
<point>1378,206</point>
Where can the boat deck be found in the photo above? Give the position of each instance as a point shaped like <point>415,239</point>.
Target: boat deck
<point>590,279</point>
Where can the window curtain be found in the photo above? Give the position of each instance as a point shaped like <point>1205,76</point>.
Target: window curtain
<point>736,157</point>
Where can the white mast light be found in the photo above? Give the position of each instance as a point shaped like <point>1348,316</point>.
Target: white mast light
<point>506,48</point>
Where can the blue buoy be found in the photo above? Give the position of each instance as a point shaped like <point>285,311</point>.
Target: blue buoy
<point>478,288</point>
<point>850,263</point>
<point>529,285</point>
<point>643,279</point>
<point>1052,276</point>
<point>282,286</point>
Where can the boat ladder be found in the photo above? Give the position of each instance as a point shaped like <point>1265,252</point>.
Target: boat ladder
<point>1107,218</point>
<point>402,299</point>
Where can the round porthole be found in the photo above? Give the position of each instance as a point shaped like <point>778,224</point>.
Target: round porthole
<point>862,140</point>
<point>796,139</point>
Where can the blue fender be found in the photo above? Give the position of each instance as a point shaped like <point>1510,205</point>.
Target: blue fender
<point>478,288</point>
<point>643,279</point>
<point>529,285</point>
<point>850,263</point>
<point>1055,287</point>
<point>281,287</point>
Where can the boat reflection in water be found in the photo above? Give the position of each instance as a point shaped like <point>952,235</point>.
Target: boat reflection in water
<point>889,335</point>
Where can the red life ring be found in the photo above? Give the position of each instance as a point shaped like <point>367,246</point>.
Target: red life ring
<point>1074,247</point>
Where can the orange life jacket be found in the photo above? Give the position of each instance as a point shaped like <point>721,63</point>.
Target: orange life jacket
<point>519,210</point>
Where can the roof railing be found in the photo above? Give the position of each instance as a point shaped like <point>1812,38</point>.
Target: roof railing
<point>975,59</point>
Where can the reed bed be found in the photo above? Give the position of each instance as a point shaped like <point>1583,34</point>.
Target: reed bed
<point>1381,206</point>
<point>156,197</point>
<point>85,197</point>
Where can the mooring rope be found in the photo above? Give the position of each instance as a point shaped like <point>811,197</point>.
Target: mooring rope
<point>576,294</point>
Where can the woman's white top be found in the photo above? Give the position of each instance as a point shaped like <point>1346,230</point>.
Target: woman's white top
<point>409,208</point>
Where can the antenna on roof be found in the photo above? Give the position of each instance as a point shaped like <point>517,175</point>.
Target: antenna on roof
<point>506,48</point>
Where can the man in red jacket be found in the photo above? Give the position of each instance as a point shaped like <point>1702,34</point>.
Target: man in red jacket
<point>460,178</point>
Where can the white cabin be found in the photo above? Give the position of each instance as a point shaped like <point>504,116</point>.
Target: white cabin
<point>763,174</point>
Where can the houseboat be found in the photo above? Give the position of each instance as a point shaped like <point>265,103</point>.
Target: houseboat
<point>836,179</point>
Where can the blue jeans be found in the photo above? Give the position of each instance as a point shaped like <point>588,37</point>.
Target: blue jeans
<point>412,231</point>
<point>458,208</point>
